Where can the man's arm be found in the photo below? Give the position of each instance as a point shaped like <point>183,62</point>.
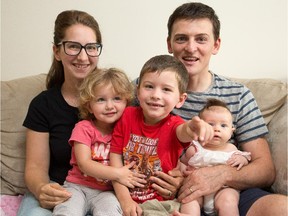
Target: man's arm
<point>260,172</point>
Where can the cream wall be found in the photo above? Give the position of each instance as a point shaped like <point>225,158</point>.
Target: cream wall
<point>254,35</point>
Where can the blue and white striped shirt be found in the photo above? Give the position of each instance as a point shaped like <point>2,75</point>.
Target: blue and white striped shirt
<point>248,120</point>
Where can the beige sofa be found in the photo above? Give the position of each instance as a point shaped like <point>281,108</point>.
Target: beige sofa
<point>16,95</point>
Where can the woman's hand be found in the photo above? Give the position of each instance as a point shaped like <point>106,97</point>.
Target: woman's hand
<point>52,194</point>
<point>167,185</point>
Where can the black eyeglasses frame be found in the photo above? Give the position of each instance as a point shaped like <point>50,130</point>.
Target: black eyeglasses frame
<point>98,46</point>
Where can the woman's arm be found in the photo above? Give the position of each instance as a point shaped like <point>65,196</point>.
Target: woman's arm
<point>36,171</point>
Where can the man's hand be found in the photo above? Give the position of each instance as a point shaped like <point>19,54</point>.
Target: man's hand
<point>167,185</point>
<point>200,182</point>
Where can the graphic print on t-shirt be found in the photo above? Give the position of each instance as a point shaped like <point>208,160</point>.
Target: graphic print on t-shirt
<point>100,153</point>
<point>143,150</point>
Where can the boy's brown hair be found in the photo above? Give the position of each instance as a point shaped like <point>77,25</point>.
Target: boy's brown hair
<point>162,63</point>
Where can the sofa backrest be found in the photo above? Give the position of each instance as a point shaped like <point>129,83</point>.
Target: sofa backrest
<point>17,94</point>
<point>270,95</point>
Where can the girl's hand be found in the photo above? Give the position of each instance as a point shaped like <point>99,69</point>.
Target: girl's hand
<point>131,208</point>
<point>130,178</point>
<point>52,194</point>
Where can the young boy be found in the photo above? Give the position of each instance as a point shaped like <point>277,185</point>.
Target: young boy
<point>150,134</point>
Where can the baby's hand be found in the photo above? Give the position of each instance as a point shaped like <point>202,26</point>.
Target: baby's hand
<point>237,160</point>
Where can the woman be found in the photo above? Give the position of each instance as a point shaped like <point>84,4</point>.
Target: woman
<point>53,113</point>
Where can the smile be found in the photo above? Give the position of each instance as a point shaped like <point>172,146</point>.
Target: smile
<point>155,105</point>
<point>110,113</point>
<point>80,66</point>
<point>194,59</point>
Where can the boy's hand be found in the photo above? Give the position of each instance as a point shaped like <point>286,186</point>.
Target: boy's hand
<point>200,130</point>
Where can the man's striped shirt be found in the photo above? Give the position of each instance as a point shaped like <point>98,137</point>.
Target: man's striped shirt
<point>247,117</point>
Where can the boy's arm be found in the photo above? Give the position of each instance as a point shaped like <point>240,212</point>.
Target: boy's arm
<point>129,206</point>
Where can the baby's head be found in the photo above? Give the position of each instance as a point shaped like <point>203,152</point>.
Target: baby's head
<point>217,114</point>
<point>98,80</point>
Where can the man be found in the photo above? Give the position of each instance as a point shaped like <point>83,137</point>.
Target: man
<point>193,37</point>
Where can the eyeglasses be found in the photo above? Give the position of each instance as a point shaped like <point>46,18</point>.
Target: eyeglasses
<point>72,48</point>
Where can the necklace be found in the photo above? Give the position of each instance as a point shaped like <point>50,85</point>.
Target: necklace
<point>71,98</point>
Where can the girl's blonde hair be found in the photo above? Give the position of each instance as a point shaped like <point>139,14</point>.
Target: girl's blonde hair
<point>102,77</point>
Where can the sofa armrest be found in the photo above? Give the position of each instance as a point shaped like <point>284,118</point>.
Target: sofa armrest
<point>15,98</point>
<point>277,139</point>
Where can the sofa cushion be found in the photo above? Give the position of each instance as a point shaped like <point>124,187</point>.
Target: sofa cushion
<point>10,204</point>
<point>270,95</point>
<point>15,98</point>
